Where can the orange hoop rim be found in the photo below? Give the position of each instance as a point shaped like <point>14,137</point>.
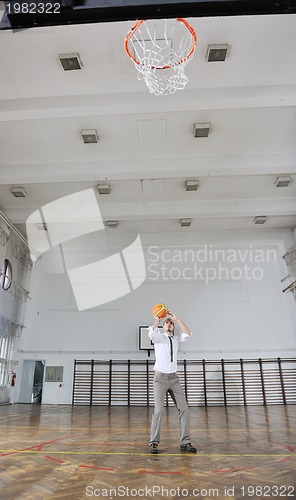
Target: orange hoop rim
<point>181,61</point>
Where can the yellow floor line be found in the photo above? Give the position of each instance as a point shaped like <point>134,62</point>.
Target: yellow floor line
<point>180,454</point>
<point>14,427</point>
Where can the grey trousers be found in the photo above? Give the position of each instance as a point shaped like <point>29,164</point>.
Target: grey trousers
<point>162,383</point>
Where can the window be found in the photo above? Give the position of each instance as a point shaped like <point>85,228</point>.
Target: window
<point>7,275</point>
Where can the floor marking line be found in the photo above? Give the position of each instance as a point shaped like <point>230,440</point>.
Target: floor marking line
<point>159,472</point>
<point>55,459</point>
<point>38,447</point>
<point>259,455</point>
<point>14,426</point>
<point>95,467</point>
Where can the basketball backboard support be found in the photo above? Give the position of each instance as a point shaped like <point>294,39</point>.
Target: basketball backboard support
<point>24,14</point>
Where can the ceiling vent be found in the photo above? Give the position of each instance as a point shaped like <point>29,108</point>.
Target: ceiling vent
<point>18,192</point>
<point>217,53</point>
<point>89,136</point>
<point>191,185</point>
<point>185,222</point>
<point>201,129</point>
<point>283,181</point>
<point>112,223</point>
<point>261,219</point>
<point>104,188</point>
<point>70,62</point>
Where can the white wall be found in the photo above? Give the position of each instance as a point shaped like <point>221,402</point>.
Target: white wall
<point>248,317</point>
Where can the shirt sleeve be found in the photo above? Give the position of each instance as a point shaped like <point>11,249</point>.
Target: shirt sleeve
<point>184,337</point>
<point>155,335</point>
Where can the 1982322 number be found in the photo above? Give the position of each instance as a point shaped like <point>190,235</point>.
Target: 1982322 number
<point>268,491</point>
<point>36,7</point>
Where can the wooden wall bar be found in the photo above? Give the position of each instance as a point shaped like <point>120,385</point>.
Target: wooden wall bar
<point>206,382</point>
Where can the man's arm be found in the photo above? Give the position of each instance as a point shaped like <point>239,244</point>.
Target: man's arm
<point>182,325</point>
<point>156,323</point>
<point>154,334</point>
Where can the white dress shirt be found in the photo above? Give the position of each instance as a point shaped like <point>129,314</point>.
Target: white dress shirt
<point>166,361</point>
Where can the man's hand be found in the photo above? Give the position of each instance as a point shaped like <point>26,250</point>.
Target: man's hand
<point>185,328</point>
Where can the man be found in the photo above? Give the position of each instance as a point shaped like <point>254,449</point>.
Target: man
<point>166,346</point>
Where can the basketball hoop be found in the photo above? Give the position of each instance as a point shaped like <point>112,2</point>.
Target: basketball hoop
<point>160,50</point>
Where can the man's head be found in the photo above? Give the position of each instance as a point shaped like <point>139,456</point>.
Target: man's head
<point>169,326</point>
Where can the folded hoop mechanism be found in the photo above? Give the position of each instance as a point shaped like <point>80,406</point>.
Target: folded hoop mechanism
<point>160,50</point>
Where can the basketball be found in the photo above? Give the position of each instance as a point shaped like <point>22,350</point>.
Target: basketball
<point>160,310</point>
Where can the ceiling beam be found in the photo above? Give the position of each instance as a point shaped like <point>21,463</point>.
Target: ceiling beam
<point>65,12</point>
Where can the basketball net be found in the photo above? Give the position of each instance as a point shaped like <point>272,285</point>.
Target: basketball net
<point>160,50</point>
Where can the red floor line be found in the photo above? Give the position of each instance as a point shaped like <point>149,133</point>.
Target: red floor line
<point>37,446</point>
<point>54,459</point>
<point>158,472</point>
<point>40,446</point>
<point>284,459</point>
<point>287,446</point>
<point>95,467</point>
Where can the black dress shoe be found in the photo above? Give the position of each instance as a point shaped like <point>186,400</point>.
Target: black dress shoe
<point>188,447</point>
<point>154,448</point>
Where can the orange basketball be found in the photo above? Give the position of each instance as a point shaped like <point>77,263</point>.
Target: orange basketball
<point>160,310</point>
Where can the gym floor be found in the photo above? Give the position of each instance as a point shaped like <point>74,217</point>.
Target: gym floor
<point>62,452</point>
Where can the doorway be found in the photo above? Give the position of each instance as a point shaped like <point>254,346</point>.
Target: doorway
<point>32,381</point>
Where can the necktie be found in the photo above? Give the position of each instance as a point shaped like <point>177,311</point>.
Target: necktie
<point>171,342</point>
